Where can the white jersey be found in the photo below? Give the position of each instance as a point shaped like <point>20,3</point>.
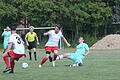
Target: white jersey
<point>18,44</point>
<point>53,38</point>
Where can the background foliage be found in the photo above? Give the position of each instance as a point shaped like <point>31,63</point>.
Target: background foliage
<point>77,17</point>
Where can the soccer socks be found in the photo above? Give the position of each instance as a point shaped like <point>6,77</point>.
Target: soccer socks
<point>30,56</point>
<point>43,61</point>
<point>76,65</point>
<point>5,58</point>
<point>50,58</point>
<point>55,56</point>
<point>59,57</point>
<point>12,66</point>
<point>35,55</point>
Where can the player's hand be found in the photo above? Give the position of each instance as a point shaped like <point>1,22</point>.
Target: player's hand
<point>84,54</point>
<point>69,45</point>
<point>37,43</point>
<point>27,44</point>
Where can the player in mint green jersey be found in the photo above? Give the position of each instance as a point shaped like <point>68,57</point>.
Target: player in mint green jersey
<point>82,50</point>
<point>6,34</point>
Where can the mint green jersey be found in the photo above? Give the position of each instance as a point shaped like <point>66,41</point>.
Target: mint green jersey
<point>6,35</point>
<point>80,49</point>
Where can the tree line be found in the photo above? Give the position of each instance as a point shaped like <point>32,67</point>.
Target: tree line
<point>86,18</point>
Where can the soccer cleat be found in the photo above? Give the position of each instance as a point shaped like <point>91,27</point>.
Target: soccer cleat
<point>35,59</point>
<point>7,69</point>
<point>74,65</point>
<point>67,65</point>
<point>40,66</point>
<point>80,64</point>
<point>53,63</point>
<point>11,72</point>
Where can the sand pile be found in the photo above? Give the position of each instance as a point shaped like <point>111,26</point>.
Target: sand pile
<point>108,42</point>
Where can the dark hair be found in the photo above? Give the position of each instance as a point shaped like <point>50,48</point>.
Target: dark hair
<point>13,28</point>
<point>58,25</point>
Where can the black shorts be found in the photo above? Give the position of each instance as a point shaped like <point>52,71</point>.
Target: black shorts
<point>32,45</point>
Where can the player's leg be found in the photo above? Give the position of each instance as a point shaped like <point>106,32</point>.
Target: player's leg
<point>55,51</point>
<point>55,56</point>
<point>77,63</point>
<point>35,56</point>
<point>12,63</point>
<point>48,50</point>
<point>76,59</point>
<point>50,58</point>
<point>14,57</point>
<point>30,57</point>
<point>45,58</point>
<point>29,48</point>
<point>7,62</point>
<point>66,55</point>
<point>34,49</point>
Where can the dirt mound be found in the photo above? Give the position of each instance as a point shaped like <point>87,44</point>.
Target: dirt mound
<point>108,42</point>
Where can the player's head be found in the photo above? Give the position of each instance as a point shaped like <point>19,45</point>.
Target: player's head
<point>31,28</point>
<point>13,29</point>
<point>81,40</point>
<point>57,28</point>
<point>7,28</point>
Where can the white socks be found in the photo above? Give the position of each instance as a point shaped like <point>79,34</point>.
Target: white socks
<point>59,57</point>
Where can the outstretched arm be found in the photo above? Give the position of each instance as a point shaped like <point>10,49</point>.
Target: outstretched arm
<point>87,52</point>
<point>66,41</point>
<point>45,34</point>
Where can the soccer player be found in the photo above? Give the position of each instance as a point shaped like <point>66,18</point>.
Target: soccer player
<point>16,43</point>
<point>82,50</point>
<point>52,44</point>
<point>31,38</point>
<point>6,34</point>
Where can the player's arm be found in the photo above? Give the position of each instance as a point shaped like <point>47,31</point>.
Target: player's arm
<point>66,41</point>
<point>26,39</point>
<point>46,33</point>
<point>37,39</point>
<point>87,52</point>
<point>2,34</point>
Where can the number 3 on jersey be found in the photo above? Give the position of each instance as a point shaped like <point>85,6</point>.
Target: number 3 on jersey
<point>18,40</point>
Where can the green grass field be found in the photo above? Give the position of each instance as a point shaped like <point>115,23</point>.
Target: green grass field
<point>99,65</point>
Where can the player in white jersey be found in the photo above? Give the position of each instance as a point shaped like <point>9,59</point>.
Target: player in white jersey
<point>52,44</point>
<point>15,42</point>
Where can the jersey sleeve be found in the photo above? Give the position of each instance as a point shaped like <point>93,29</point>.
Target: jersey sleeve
<point>35,35</point>
<point>3,33</point>
<point>26,35</point>
<point>86,47</point>
<point>61,34</point>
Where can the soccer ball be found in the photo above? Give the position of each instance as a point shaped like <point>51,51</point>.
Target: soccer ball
<point>24,65</point>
